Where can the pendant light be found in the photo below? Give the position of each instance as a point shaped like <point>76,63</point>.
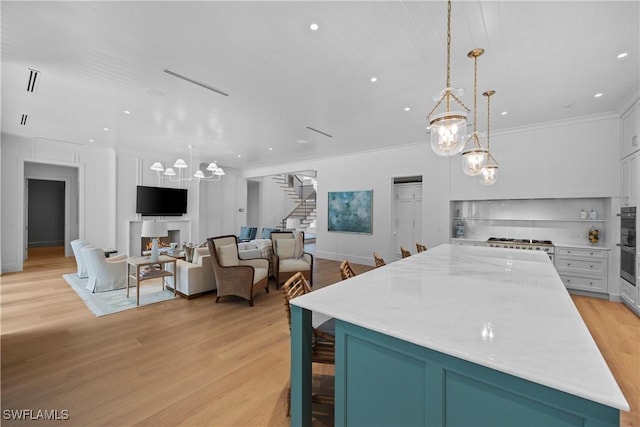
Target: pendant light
<point>474,155</point>
<point>489,174</point>
<point>449,129</point>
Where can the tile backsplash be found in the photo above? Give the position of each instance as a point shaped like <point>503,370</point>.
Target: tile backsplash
<point>563,221</point>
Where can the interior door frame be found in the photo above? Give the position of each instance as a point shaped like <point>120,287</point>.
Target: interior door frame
<point>68,203</point>
<point>67,211</point>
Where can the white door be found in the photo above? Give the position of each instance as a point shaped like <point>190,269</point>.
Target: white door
<point>407,217</point>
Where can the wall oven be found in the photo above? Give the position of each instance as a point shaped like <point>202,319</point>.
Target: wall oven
<point>628,244</point>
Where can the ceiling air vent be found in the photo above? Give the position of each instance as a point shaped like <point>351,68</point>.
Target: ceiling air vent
<point>33,80</point>
<point>195,82</point>
<point>23,120</point>
<point>319,131</point>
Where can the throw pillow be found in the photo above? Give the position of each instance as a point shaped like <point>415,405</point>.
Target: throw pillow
<point>298,248</point>
<point>198,253</point>
<point>228,255</point>
<point>285,248</point>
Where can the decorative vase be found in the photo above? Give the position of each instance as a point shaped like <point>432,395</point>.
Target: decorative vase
<point>594,235</point>
<point>155,252</point>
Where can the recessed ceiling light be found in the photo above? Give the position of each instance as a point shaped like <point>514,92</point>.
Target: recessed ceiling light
<point>127,112</point>
<point>622,55</point>
<point>91,140</point>
<point>239,155</point>
<point>302,141</point>
<point>106,129</point>
<point>314,27</point>
<point>504,113</point>
<point>407,108</point>
<point>374,79</point>
<point>597,95</point>
<point>270,148</point>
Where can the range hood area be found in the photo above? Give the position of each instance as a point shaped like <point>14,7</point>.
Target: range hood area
<point>568,222</point>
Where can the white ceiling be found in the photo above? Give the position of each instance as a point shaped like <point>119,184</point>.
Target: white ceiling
<point>98,59</point>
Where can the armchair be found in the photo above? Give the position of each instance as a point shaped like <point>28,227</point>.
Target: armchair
<point>235,276</point>
<point>289,256</point>
<point>76,246</point>
<point>105,274</point>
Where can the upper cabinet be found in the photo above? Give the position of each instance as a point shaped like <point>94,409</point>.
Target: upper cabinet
<point>630,126</point>
<point>630,184</point>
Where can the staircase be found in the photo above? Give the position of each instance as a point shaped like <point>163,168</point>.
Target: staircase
<point>305,209</point>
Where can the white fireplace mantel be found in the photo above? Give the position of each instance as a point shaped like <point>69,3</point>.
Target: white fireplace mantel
<point>135,230</point>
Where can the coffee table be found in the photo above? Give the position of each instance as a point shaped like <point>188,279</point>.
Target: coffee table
<point>157,269</point>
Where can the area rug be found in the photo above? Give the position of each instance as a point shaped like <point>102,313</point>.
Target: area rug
<point>103,303</point>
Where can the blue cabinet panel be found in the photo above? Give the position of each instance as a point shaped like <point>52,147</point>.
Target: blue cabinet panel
<point>384,381</point>
<point>407,379</point>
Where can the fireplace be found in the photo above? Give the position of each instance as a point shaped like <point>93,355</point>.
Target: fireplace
<point>163,242</point>
<point>179,232</point>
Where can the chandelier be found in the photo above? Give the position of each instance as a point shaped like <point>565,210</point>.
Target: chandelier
<point>489,174</point>
<point>474,155</point>
<point>178,173</point>
<point>448,129</point>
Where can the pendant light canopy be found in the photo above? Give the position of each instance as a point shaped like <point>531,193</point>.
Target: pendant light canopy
<point>474,155</point>
<point>449,128</point>
<point>489,174</point>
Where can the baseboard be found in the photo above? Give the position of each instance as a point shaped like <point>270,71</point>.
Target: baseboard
<point>339,257</point>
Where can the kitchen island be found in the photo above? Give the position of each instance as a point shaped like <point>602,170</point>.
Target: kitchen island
<point>456,335</point>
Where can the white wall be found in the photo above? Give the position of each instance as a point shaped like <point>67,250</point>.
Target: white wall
<point>571,159</point>
<point>375,171</point>
<point>107,192</point>
<point>97,196</point>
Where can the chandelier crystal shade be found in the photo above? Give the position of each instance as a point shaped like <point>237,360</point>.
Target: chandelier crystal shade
<point>474,155</point>
<point>489,174</point>
<point>448,129</point>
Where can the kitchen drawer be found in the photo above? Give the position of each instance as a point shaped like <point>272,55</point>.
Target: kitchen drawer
<point>628,292</point>
<point>589,253</point>
<point>584,283</point>
<point>596,265</point>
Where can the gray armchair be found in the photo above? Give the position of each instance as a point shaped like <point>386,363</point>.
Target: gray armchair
<point>289,256</point>
<point>235,276</point>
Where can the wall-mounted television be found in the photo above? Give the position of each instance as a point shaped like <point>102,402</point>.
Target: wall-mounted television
<point>161,201</point>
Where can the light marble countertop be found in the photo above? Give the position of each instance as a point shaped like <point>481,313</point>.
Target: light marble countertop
<point>503,309</point>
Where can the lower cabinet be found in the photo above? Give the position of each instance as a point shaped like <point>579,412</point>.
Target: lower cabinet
<point>383,381</point>
<point>583,269</point>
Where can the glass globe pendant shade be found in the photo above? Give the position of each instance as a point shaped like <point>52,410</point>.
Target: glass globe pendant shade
<point>489,175</point>
<point>474,160</point>
<point>448,132</point>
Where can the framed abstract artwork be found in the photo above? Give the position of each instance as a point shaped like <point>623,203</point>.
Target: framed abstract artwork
<point>351,211</point>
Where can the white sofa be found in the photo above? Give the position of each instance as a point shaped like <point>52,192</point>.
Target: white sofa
<point>257,248</point>
<point>196,277</point>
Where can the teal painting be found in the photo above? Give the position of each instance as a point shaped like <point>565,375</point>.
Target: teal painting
<point>351,211</point>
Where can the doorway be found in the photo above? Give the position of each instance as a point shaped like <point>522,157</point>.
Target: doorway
<point>406,214</point>
<point>45,213</point>
<point>42,210</point>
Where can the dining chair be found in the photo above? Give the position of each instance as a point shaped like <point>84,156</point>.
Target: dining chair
<point>405,252</point>
<point>346,271</point>
<point>378,259</point>
<point>420,247</point>
<point>323,337</point>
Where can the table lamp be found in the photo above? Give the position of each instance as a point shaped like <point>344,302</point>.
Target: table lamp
<point>293,223</point>
<point>154,229</point>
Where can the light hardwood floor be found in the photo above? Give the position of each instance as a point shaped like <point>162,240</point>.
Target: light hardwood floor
<point>190,362</point>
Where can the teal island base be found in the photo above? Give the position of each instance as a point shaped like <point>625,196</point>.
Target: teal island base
<point>384,381</point>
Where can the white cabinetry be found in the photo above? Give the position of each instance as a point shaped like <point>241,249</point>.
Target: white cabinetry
<point>630,126</point>
<point>628,293</point>
<point>583,269</point>
<point>630,187</point>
